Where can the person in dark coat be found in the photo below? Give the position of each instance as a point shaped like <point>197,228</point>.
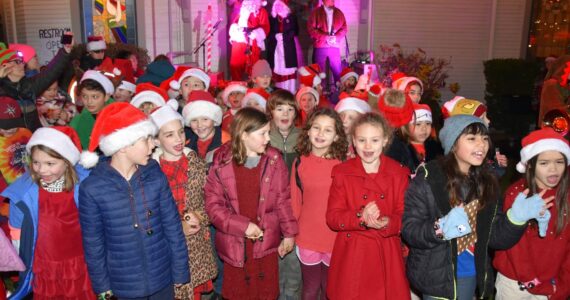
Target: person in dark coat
<point>453,215</point>
<point>132,233</point>
<point>25,90</point>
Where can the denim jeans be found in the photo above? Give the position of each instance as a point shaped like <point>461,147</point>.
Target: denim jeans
<point>465,289</point>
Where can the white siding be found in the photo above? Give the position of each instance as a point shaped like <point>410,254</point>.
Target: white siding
<point>31,17</point>
<point>456,30</point>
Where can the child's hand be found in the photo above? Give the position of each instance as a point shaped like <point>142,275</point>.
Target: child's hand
<point>382,222</point>
<point>286,246</point>
<point>502,160</point>
<point>526,208</point>
<point>5,69</point>
<point>370,213</point>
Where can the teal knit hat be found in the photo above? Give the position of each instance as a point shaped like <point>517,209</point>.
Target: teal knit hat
<point>453,127</point>
<point>6,54</point>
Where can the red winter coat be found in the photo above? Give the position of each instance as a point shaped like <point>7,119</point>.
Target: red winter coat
<point>274,213</point>
<point>367,263</point>
<point>536,257</point>
<point>318,28</point>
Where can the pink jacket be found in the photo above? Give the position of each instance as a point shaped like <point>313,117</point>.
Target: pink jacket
<point>274,213</point>
<point>319,31</point>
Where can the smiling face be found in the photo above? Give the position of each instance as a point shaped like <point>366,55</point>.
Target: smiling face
<point>256,141</point>
<point>93,100</point>
<point>470,150</point>
<point>322,134</point>
<point>283,116</point>
<point>549,169</point>
<point>171,139</point>
<point>203,127</point>
<point>369,142</point>
<point>47,167</point>
<point>420,131</point>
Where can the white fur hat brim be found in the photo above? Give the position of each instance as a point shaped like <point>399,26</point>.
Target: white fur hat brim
<point>422,115</point>
<point>538,147</point>
<point>348,75</point>
<point>55,140</point>
<point>351,103</point>
<point>148,96</point>
<point>96,45</point>
<point>166,114</point>
<point>125,85</point>
<point>307,90</point>
<point>231,89</point>
<point>403,82</point>
<point>200,108</point>
<point>258,98</point>
<point>101,79</point>
<point>126,136</point>
<point>194,73</point>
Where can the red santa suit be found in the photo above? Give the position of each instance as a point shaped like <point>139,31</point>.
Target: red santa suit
<point>256,21</point>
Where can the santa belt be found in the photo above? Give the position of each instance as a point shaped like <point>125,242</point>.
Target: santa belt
<point>281,78</point>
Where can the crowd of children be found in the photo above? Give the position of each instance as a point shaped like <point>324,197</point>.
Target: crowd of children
<point>173,187</point>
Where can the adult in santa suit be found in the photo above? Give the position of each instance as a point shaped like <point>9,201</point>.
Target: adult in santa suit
<point>283,42</point>
<point>251,27</point>
<point>327,28</point>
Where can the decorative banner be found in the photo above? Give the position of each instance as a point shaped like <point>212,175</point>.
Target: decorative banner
<point>110,20</point>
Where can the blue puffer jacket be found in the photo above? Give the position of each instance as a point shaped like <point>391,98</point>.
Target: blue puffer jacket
<point>23,194</point>
<point>121,258</point>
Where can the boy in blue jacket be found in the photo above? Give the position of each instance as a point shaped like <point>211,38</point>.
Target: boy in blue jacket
<point>132,234</point>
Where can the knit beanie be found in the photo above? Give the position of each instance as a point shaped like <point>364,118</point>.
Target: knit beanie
<point>61,139</point>
<point>10,113</point>
<point>261,68</point>
<point>27,52</point>
<point>396,116</point>
<point>6,54</point>
<point>461,106</point>
<point>541,140</point>
<point>202,104</point>
<point>118,125</point>
<point>452,128</point>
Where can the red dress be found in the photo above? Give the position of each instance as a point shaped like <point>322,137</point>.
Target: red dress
<point>259,278</point>
<point>59,265</point>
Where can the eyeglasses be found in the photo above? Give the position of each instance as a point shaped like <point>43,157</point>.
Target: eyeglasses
<point>16,61</point>
<point>98,51</point>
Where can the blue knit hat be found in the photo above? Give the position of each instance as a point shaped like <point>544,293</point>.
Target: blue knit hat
<point>453,127</point>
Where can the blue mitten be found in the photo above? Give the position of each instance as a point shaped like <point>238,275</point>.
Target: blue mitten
<point>455,224</point>
<point>543,223</point>
<point>525,209</point>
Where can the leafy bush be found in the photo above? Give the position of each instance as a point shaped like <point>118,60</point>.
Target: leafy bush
<point>510,77</point>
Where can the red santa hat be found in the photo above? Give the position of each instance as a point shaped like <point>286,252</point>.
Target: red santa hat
<point>117,67</point>
<point>117,126</point>
<point>148,92</point>
<point>166,113</point>
<point>461,106</point>
<point>202,104</point>
<point>396,116</point>
<point>402,82</point>
<point>26,52</point>
<point>172,82</point>
<point>539,141</point>
<point>193,72</point>
<point>95,43</point>
<point>310,75</point>
<point>307,90</point>
<point>346,74</point>
<point>356,101</point>
<point>103,80</point>
<point>61,139</point>
<point>235,86</point>
<point>129,86</point>
<point>258,94</point>
<point>422,112</point>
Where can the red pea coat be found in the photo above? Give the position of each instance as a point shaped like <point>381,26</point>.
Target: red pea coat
<point>367,263</point>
